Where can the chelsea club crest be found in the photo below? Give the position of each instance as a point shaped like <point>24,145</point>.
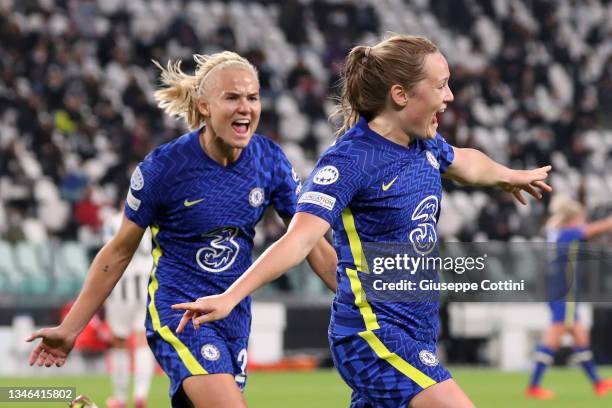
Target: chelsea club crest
<point>256,197</point>
<point>432,160</point>
<point>428,358</point>
<point>210,352</point>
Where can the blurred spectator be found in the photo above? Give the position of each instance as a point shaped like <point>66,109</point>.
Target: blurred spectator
<point>73,186</point>
<point>14,224</point>
<point>532,84</point>
<point>224,37</point>
<point>86,211</point>
<point>497,217</point>
<point>296,73</point>
<point>292,20</point>
<point>258,59</point>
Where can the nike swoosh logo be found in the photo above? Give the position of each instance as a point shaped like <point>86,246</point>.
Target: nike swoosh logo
<point>188,203</point>
<point>387,186</point>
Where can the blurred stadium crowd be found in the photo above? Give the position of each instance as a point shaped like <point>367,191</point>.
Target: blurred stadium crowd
<point>532,81</point>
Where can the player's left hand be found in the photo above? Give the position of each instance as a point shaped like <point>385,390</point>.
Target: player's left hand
<point>204,310</point>
<point>529,181</point>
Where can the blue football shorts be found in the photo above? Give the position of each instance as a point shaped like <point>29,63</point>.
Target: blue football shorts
<point>564,312</point>
<point>197,352</point>
<point>385,367</point>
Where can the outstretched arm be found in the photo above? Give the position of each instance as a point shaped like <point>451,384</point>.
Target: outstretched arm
<point>323,261</point>
<point>304,232</point>
<point>473,167</point>
<point>105,271</point>
<point>595,228</point>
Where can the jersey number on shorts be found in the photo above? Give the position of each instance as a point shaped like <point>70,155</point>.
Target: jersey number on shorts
<point>242,361</point>
<point>424,236</point>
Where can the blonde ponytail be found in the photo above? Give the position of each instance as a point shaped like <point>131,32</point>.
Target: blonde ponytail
<point>180,95</point>
<point>563,208</point>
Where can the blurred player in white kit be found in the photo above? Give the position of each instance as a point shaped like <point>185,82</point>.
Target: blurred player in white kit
<point>125,314</point>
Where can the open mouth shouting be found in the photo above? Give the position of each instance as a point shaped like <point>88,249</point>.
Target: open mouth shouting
<point>434,122</point>
<point>241,126</point>
<point>435,118</point>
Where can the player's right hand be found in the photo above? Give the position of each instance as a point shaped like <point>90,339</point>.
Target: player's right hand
<point>54,347</point>
<point>204,310</point>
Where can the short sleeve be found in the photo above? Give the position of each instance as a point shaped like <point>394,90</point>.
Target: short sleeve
<point>442,151</point>
<point>286,187</point>
<point>330,187</point>
<point>142,199</point>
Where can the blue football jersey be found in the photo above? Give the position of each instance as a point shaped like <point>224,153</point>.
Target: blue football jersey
<point>202,216</point>
<point>371,190</point>
<point>564,267</point>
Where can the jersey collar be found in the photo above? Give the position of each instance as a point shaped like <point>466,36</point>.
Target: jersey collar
<point>240,166</point>
<point>362,125</point>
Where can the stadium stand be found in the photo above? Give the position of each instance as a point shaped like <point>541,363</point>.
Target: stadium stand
<point>77,112</point>
<point>531,79</point>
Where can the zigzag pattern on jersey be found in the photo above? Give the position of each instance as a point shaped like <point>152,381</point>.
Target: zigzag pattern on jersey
<point>190,175</point>
<point>197,262</point>
<point>388,376</point>
<point>384,216</point>
<point>387,216</point>
<point>418,181</point>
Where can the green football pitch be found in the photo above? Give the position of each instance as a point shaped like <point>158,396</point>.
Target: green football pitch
<point>324,388</point>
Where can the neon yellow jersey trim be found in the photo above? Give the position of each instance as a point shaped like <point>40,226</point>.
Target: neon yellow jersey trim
<point>396,361</point>
<point>570,310</point>
<point>369,317</point>
<point>571,277</point>
<point>355,243</point>
<point>153,285</point>
<point>192,364</point>
<point>362,304</point>
<point>185,355</point>
<point>365,309</point>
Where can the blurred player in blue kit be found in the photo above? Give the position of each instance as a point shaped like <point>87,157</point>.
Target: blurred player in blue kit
<point>568,229</point>
<point>380,182</point>
<point>201,195</point>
